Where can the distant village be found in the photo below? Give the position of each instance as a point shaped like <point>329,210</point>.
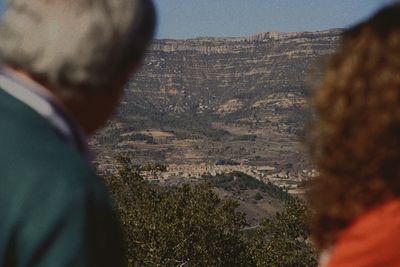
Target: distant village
<point>289,180</point>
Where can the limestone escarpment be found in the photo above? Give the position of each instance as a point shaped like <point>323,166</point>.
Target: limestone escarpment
<point>199,75</point>
<point>242,98</point>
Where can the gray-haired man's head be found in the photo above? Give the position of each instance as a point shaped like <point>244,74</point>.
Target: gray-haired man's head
<point>76,45</point>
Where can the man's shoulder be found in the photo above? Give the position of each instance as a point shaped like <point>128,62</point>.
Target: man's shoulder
<point>31,145</point>
<point>35,157</point>
<point>32,153</point>
<point>42,174</point>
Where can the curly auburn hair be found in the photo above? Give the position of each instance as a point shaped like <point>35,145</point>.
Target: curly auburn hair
<point>355,138</point>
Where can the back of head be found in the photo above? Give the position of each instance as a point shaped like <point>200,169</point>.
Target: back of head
<point>76,45</point>
<point>355,139</point>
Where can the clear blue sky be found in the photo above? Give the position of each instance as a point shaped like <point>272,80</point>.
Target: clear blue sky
<point>191,18</point>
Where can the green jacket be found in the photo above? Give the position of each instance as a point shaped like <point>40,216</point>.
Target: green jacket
<point>54,210</point>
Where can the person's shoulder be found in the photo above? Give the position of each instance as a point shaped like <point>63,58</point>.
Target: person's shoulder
<point>65,164</point>
<point>46,160</point>
<point>64,168</point>
<point>33,149</point>
<point>377,223</point>
<point>34,158</point>
<point>386,214</point>
<point>372,239</point>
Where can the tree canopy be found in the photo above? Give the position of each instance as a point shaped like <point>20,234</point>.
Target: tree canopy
<point>190,225</point>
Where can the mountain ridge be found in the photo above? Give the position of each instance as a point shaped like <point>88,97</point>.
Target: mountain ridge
<point>220,98</point>
<point>252,36</point>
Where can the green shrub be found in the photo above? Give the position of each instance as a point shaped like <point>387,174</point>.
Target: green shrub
<point>192,226</point>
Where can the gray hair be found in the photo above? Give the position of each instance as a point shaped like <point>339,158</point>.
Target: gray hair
<point>82,45</point>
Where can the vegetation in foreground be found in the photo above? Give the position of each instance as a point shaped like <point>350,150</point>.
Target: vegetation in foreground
<point>191,226</point>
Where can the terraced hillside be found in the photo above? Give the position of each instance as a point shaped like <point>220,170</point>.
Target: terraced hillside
<point>241,99</point>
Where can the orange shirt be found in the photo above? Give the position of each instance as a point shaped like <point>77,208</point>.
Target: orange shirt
<point>372,240</point>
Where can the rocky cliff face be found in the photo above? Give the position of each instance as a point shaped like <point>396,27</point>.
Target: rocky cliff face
<point>200,75</point>
<point>222,90</point>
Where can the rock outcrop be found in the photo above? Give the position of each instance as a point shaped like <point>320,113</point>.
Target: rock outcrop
<point>201,74</point>
<point>241,98</point>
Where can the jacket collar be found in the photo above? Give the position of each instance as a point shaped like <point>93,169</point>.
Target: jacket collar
<point>41,101</point>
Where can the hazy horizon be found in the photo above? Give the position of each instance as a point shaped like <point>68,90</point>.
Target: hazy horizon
<point>188,19</point>
<point>238,36</point>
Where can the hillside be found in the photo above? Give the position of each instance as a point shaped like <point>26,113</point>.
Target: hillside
<point>207,100</point>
